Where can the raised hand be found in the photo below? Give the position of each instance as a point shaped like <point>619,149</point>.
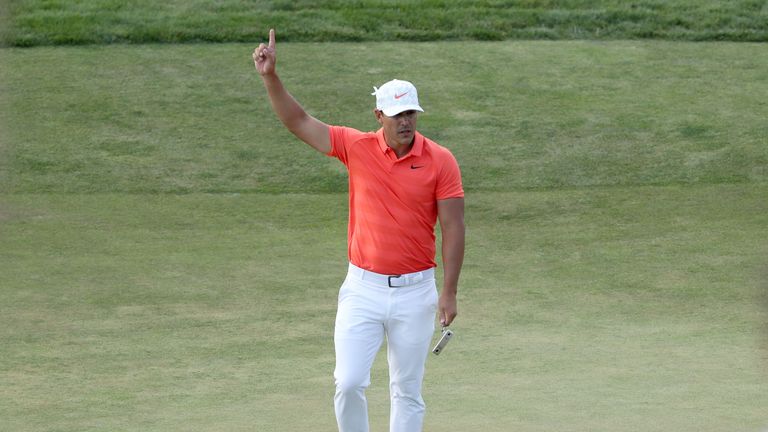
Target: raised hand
<point>264,57</point>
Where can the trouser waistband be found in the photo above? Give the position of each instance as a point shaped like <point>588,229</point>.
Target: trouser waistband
<point>392,281</point>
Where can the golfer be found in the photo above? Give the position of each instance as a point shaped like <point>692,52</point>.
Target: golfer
<point>400,184</point>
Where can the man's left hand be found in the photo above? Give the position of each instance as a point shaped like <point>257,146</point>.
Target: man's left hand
<point>447,309</point>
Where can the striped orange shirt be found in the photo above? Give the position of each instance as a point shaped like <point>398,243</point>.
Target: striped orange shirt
<point>393,202</point>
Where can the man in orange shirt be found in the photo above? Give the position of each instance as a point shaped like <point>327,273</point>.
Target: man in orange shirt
<point>400,185</point>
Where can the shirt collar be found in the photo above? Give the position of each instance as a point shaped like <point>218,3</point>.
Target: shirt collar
<point>418,143</point>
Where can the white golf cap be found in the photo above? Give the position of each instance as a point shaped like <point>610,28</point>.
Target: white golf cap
<point>395,97</point>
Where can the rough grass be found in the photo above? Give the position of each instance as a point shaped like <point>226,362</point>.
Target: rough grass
<point>40,22</point>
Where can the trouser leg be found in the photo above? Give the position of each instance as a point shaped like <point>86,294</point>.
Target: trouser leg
<point>409,332</point>
<point>358,336</point>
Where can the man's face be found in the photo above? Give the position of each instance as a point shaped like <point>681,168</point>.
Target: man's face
<point>400,129</point>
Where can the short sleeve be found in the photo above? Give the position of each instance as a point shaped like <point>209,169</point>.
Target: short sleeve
<point>449,178</point>
<point>341,137</point>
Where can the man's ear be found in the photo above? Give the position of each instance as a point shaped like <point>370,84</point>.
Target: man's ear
<point>378,115</point>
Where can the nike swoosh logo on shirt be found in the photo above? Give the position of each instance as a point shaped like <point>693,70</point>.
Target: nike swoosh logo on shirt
<point>416,166</point>
<point>398,96</point>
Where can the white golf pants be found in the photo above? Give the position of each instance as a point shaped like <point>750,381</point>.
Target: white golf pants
<point>369,309</point>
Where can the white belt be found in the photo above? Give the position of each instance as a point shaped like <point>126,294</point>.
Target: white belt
<point>392,281</point>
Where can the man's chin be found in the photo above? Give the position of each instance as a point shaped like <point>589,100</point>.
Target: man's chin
<point>405,137</point>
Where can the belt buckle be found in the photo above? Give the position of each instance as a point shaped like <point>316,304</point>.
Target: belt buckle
<point>389,281</point>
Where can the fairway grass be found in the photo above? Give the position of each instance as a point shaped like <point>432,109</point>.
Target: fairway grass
<point>607,309</point>
<point>170,256</point>
<point>517,115</point>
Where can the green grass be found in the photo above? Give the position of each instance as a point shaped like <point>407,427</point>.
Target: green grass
<point>131,312</point>
<point>520,115</point>
<point>629,309</point>
<point>41,22</point>
<point>170,256</point>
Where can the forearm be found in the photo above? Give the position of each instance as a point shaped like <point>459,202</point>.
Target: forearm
<point>287,109</point>
<point>453,257</point>
<point>296,120</point>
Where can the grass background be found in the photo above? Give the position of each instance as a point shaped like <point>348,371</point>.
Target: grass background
<point>628,309</point>
<point>518,115</point>
<point>153,214</point>
<point>55,22</point>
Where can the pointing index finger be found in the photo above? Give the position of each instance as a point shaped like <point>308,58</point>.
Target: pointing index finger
<point>272,38</point>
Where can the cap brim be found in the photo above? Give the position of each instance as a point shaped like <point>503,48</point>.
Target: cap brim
<point>393,111</point>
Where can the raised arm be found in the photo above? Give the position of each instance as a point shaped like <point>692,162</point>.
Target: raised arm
<point>450,212</point>
<point>307,128</point>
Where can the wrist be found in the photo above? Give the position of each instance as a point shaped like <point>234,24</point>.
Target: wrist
<point>269,76</point>
<point>449,292</point>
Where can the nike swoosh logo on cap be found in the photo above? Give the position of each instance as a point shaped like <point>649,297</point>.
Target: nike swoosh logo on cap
<point>398,96</point>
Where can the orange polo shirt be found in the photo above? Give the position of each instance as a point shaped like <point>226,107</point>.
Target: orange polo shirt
<point>393,202</point>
